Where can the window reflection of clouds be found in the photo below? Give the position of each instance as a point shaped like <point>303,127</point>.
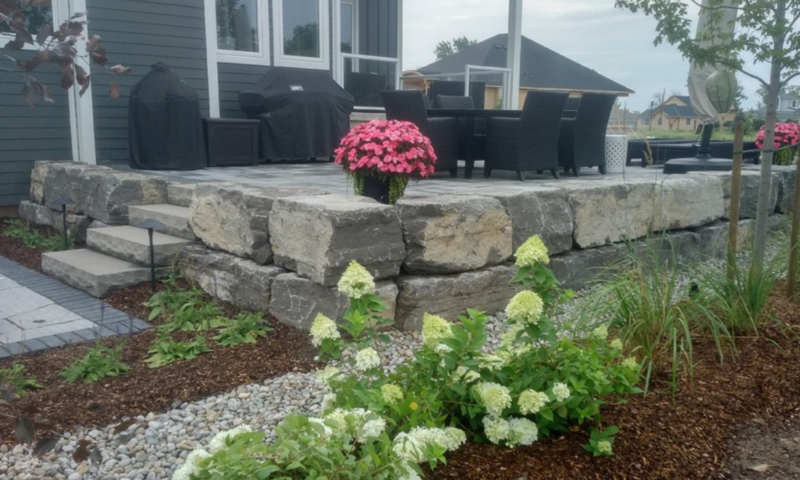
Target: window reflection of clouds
<point>301,28</point>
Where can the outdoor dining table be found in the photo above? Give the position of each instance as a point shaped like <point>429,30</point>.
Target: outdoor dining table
<point>473,140</point>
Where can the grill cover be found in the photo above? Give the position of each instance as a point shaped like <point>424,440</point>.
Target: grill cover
<point>164,127</point>
<point>304,113</point>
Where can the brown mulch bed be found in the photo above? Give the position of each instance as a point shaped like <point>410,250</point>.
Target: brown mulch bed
<point>692,436</point>
<point>13,249</point>
<point>144,390</point>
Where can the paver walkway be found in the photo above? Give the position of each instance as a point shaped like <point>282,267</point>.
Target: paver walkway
<point>38,312</point>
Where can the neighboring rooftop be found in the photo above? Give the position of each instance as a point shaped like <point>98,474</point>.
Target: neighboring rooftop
<point>541,68</point>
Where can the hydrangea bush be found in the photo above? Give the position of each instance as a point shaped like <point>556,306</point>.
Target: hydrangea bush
<point>390,149</point>
<point>538,382</point>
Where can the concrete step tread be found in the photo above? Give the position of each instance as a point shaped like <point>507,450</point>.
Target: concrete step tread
<point>94,263</point>
<point>135,235</point>
<point>164,209</point>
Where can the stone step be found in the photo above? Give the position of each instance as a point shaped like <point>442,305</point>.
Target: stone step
<point>131,244</point>
<point>93,272</point>
<point>175,218</point>
<point>180,194</point>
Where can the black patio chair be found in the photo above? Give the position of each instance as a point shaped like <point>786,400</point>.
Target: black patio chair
<point>471,134</point>
<point>582,139</point>
<point>571,107</point>
<point>409,106</point>
<point>530,142</point>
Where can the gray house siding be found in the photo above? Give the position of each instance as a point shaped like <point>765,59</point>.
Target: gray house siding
<point>378,25</point>
<point>138,34</point>
<point>232,79</point>
<point>29,133</point>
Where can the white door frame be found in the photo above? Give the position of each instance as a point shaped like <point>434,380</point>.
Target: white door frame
<point>81,107</point>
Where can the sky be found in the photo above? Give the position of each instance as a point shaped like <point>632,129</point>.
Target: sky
<point>616,43</point>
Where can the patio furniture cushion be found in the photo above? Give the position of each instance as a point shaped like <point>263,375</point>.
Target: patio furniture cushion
<point>530,142</point>
<point>409,105</point>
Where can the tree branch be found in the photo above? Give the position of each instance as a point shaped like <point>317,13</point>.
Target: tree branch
<point>720,7</point>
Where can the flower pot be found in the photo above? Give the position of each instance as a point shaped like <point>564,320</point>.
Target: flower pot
<point>376,188</point>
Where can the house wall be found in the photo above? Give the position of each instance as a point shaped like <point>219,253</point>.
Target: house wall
<point>29,133</point>
<point>138,34</point>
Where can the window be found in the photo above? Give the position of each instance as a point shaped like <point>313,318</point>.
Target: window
<point>645,121</point>
<point>301,33</point>
<point>240,32</point>
<point>794,103</point>
<point>660,120</point>
<point>34,18</point>
<point>688,121</point>
<point>349,28</point>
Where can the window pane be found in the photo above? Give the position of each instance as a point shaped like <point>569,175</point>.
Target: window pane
<point>301,28</point>
<point>366,79</point>
<point>237,25</point>
<point>34,17</point>
<point>347,28</point>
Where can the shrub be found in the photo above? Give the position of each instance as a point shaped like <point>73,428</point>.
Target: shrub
<point>31,238</point>
<point>165,350</point>
<point>98,363</point>
<point>245,328</point>
<point>15,379</point>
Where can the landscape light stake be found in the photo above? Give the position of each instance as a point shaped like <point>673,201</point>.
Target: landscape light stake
<point>64,202</point>
<point>150,224</point>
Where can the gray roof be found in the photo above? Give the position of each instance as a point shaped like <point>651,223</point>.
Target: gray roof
<point>678,111</point>
<point>540,66</point>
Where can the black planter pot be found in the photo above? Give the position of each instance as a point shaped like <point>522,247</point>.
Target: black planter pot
<point>376,188</point>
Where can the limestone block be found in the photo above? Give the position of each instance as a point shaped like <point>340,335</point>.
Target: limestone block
<point>611,212</point>
<point>297,300</point>
<point>35,213</point>
<point>38,176</point>
<point>714,238</point>
<point>180,194</point>
<point>235,217</point>
<point>454,233</point>
<point>318,236</point>
<point>786,187</point>
<point>578,268</point>
<point>540,211</point>
<point>488,290</point>
<point>243,283</point>
<point>76,225</point>
<point>110,193</point>
<point>69,180</point>
<point>684,201</point>
<point>748,203</point>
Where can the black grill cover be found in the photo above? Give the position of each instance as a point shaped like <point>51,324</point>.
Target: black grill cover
<point>304,113</point>
<point>164,127</point>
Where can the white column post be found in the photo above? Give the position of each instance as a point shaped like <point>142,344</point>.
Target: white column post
<point>514,46</point>
<point>81,108</point>
<point>399,67</point>
<point>337,63</point>
<point>211,56</point>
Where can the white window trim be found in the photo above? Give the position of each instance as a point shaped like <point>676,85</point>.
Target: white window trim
<point>323,61</point>
<point>355,39</point>
<point>234,56</point>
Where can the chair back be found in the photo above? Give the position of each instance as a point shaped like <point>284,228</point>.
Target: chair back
<point>405,105</point>
<point>453,101</point>
<point>541,107</point>
<point>593,114</point>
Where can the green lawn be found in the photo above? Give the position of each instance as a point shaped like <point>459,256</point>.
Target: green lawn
<point>720,134</point>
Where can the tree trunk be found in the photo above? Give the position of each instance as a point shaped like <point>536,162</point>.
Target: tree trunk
<point>765,183</point>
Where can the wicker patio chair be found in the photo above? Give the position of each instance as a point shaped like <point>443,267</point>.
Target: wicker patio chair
<point>530,142</point>
<point>582,140</point>
<point>409,105</point>
<point>471,140</point>
<point>571,107</point>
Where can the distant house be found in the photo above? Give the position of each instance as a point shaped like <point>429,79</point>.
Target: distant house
<point>540,69</point>
<point>677,114</point>
<point>788,108</point>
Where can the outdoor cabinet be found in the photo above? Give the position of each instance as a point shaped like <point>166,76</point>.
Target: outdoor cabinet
<point>231,141</point>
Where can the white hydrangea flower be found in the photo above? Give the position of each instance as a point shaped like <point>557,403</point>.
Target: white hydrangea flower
<point>531,252</point>
<point>496,429</point>
<point>434,329</point>
<point>410,473</point>
<point>455,437</point>
<point>442,348</point>
<point>327,374</point>
<point>508,337</point>
<point>604,447</point>
<point>323,328</point>
<point>495,397</point>
<point>353,418</point>
<point>191,466</point>
<point>600,333</point>
<point>521,432</point>
<point>328,400</point>
<point>371,429</point>
<point>631,363</point>
<point>531,401</point>
<point>367,358</point>
<point>391,393</point>
<point>616,344</point>
<point>469,376</point>
<point>491,362</point>
<point>321,422</point>
<point>409,448</point>
<point>218,442</point>
<point>525,308</point>
<point>560,391</point>
<point>356,281</point>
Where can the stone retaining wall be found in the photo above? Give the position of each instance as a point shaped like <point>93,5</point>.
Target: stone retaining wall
<point>282,250</point>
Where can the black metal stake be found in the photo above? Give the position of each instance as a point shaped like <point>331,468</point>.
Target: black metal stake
<point>152,261</point>
<point>64,222</point>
